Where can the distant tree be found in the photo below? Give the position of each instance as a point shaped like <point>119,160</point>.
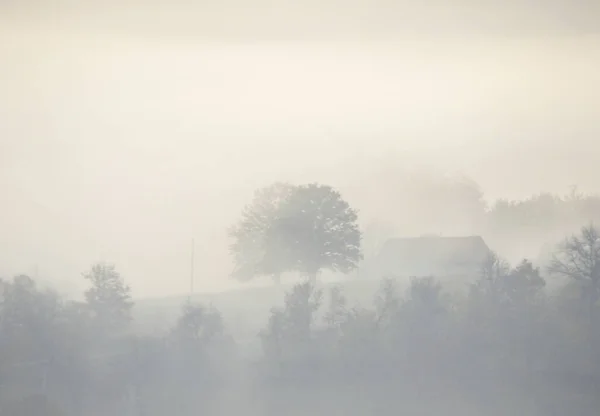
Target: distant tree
<point>303,228</point>
<point>492,271</point>
<point>425,321</point>
<point>109,298</point>
<point>425,293</point>
<point>320,231</point>
<point>359,343</point>
<point>523,283</point>
<point>198,324</point>
<point>521,227</point>
<point>484,303</point>
<point>199,342</point>
<point>28,320</point>
<point>578,258</point>
<point>504,285</point>
<point>504,311</point>
<point>289,332</point>
<point>257,248</point>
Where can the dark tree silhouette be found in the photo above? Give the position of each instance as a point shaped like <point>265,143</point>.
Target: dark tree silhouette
<point>198,324</point>
<point>303,228</point>
<point>320,231</point>
<point>578,258</point>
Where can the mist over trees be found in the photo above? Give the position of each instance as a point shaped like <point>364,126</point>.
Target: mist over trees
<point>130,128</point>
<point>505,343</point>
<point>418,203</point>
<point>302,229</point>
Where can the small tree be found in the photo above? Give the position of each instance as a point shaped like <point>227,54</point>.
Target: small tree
<point>578,258</point>
<point>109,298</point>
<point>499,285</point>
<point>28,320</point>
<point>198,325</point>
<point>523,283</point>
<point>504,312</point>
<point>289,333</point>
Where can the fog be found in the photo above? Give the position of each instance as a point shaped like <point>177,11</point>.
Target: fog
<point>129,130</point>
<point>122,147</point>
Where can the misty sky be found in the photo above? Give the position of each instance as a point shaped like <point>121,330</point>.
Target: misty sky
<point>122,148</point>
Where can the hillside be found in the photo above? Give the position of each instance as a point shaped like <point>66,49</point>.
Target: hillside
<point>246,311</point>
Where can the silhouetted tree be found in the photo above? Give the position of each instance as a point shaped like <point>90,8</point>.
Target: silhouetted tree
<point>578,258</point>
<point>109,298</point>
<point>29,319</point>
<point>289,335</point>
<point>303,228</point>
<point>199,344</point>
<point>523,283</point>
<point>198,325</point>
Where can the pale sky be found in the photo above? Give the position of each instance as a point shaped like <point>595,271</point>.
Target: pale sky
<point>123,148</point>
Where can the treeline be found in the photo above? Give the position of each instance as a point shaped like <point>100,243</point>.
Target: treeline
<point>310,228</point>
<point>506,346</point>
<point>509,345</point>
<point>453,206</point>
<point>534,224</point>
<point>65,357</point>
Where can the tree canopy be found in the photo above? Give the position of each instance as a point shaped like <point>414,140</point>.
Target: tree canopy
<point>303,228</point>
<point>109,298</point>
<point>578,258</point>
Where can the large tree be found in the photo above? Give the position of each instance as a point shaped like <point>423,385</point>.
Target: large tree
<point>256,250</point>
<point>304,228</point>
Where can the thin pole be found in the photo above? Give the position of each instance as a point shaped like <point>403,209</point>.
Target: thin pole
<point>192,269</point>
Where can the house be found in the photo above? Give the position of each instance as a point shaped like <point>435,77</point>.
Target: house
<point>429,256</point>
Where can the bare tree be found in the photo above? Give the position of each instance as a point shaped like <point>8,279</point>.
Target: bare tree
<point>578,258</point>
